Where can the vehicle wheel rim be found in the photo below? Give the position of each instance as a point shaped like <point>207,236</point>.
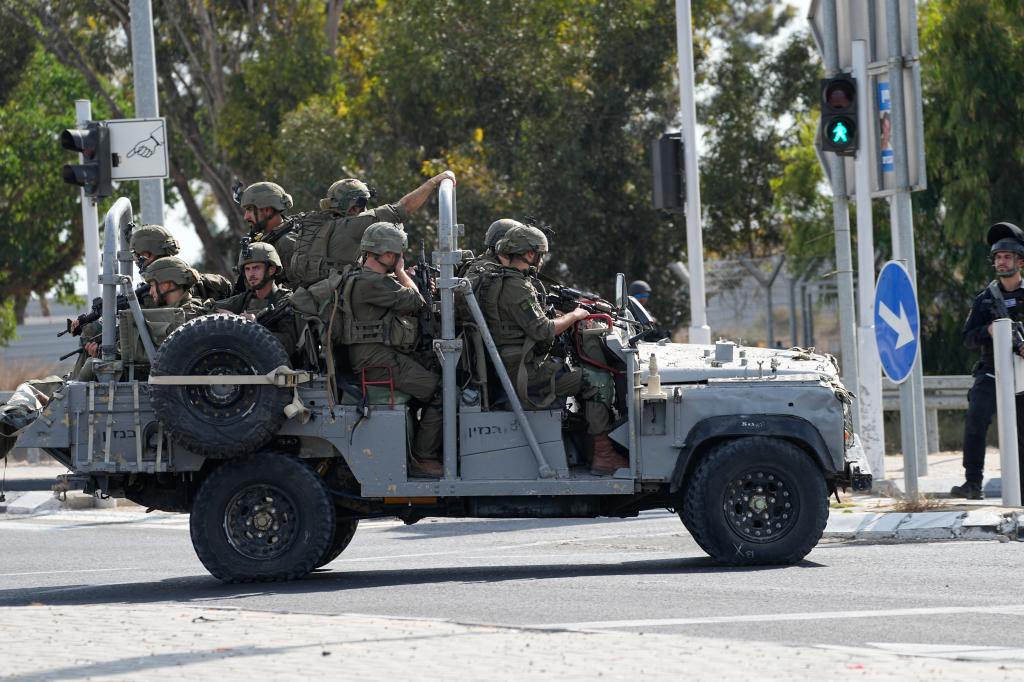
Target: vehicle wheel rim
<point>260,522</point>
<point>760,505</point>
<point>221,403</point>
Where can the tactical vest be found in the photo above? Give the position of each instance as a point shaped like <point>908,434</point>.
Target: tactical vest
<point>401,332</point>
<point>312,259</point>
<point>488,289</point>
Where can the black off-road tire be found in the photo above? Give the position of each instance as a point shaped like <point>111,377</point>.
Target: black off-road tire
<point>261,518</point>
<point>754,501</point>
<point>228,420</point>
<point>344,530</point>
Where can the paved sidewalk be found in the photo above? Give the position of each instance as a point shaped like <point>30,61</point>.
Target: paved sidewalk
<point>172,642</point>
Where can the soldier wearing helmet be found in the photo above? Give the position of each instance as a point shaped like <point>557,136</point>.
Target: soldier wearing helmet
<point>170,281</point>
<point>329,239</point>
<point>1004,295</point>
<point>263,208</point>
<point>151,242</point>
<point>260,266</point>
<point>525,335</point>
<point>379,305</point>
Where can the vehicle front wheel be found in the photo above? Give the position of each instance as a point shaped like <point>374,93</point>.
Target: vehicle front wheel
<point>261,518</point>
<point>756,500</point>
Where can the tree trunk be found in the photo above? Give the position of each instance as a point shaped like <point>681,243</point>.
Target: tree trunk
<point>199,222</point>
<point>20,303</point>
<point>334,8</point>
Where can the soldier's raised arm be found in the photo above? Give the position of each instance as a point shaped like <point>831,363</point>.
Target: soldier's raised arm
<point>412,201</point>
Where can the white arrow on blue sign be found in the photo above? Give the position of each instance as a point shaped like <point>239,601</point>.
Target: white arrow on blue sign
<point>897,321</point>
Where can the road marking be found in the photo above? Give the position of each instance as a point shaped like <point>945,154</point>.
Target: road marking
<point>780,617</point>
<point>79,570</point>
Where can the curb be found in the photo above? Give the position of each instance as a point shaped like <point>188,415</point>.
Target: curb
<point>33,502</point>
<point>981,524</point>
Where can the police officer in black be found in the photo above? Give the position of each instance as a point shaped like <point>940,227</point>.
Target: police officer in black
<point>1007,242</point>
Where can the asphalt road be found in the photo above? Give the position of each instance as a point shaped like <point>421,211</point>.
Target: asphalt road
<point>643,575</point>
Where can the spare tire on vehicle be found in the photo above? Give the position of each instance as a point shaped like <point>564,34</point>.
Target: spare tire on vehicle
<point>220,420</point>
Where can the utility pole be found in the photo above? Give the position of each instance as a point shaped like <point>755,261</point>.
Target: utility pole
<point>700,332</point>
<point>151,191</point>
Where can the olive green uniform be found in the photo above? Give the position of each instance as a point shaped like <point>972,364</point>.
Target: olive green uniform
<point>524,336</point>
<point>334,243</point>
<point>376,297</point>
<point>285,329</point>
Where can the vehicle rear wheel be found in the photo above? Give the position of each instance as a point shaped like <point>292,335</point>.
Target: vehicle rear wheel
<point>220,420</point>
<point>344,530</point>
<point>261,518</point>
<point>756,501</point>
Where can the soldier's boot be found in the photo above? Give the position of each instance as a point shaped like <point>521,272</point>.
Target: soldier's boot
<point>969,491</point>
<point>424,468</point>
<point>605,459</point>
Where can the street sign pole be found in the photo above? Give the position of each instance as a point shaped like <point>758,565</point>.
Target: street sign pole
<point>700,332</point>
<point>90,220</point>
<point>151,191</point>
<point>912,414</point>
<point>872,432</point>
<point>841,217</point>
<point>1006,410</point>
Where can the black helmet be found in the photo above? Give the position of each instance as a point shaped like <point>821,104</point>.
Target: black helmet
<point>1006,237</point>
<point>639,287</point>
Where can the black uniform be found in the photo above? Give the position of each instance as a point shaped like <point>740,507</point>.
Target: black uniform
<point>981,400</point>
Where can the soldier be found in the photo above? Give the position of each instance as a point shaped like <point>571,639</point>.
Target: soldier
<point>329,240</point>
<point>170,282</point>
<point>641,291</point>
<point>524,337</point>
<point>260,265</point>
<point>151,242</point>
<point>263,206</point>
<point>379,303</point>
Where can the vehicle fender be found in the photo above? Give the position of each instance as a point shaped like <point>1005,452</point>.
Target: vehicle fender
<point>788,427</point>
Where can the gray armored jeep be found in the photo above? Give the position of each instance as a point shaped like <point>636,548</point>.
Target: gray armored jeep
<point>277,465</point>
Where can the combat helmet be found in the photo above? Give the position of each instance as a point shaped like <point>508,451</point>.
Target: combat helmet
<point>520,239</point>
<point>381,238</point>
<point>259,252</point>
<point>343,192</point>
<point>266,195</point>
<point>171,269</point>
<point>1005,236</point>
<point>497,231</point>
<point>156,239</point>
<point>639,287</point>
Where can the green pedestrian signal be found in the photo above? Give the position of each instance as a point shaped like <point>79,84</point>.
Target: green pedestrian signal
<point>839,115</point>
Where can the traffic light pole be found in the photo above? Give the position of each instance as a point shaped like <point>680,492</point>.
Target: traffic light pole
<point>151,192</point>
<point>872,433</point>
<point>841,217</point>
<point>912,417</point>
<point>700,332</point>
<point>90,219</point>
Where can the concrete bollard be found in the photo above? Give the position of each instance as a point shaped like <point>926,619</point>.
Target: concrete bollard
<point>1006,411</point>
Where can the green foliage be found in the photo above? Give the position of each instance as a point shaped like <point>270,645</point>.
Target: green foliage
<point>972,51</point>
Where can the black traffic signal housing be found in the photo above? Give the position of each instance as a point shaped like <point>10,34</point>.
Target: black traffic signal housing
<point>669,174</point>
<point>93,143</point>
<point>839,115</point>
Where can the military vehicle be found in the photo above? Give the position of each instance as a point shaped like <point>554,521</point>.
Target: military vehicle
<point>277,465</point>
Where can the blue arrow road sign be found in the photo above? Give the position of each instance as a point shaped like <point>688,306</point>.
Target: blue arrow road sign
<point>897,322</point>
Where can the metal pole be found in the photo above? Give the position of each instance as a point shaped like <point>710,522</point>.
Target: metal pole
<point>911,391</point>
<point>90,219</point>
<point>841,217</point>
<point>1006,411</point>
<point>448,348</point>
<point>151,192</point>
<point>872,433</point>
<point>700,332</point>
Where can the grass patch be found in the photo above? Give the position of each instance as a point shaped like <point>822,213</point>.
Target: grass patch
<point>917,503</point>
<point>19,371</point>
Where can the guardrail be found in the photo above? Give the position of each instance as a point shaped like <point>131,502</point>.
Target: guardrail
<point>942,392</point>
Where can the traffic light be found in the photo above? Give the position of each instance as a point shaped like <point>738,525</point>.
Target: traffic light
<point>669,176</point>
<point>93,143</point>
<point>839,115</point>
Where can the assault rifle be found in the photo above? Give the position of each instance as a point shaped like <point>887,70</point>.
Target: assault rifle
<point>566,298</point>
<point>97,311</point>
<point>999,307</point>
<point>80,349</point>
<point>425,277</point>
<point>274,312</point>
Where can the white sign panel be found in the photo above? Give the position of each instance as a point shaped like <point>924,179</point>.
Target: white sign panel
<point>139,148</point>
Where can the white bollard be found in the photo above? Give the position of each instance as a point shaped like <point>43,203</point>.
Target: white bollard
<point>1006,411</point>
